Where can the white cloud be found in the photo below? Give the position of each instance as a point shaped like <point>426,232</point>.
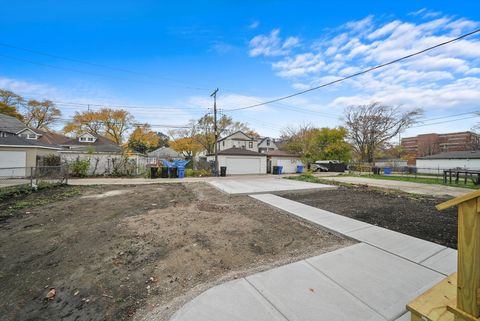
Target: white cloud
<point>254,24</point>
<point>447,77</point>
<point>271,45</point>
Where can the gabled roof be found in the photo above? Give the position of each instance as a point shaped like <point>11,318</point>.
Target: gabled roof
<point>165,152</point>
<point>51,137</point>
<point>469,154</point>
<point>17,141</point>
<point>238,131</point>
<point>101,144</point>
<point>10,124</point>
<point>238,151</point>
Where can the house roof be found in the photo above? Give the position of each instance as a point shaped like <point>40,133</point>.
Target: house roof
<point>165,152</point>
<point>18,141</point>
<point>281,153</point>
<point>454,155</point>
<point>238,131</point>
<point>10,124</point>
<point>101,144</point>
<point>238,151</point>
<point>51,137</point>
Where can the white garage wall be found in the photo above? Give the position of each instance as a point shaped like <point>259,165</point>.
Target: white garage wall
<point>433,166</point>
<point>13,163</point>
<point>240,165</point>
<point>289,164</point>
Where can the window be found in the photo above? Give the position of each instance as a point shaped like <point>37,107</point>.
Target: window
<point>83,139</point>
<point>223,143</point>
<point>32,136</point>
<point>250,145</point>
<point>268,142</point>
<point>90,139</point>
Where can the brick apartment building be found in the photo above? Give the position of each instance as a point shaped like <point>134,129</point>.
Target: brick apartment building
<point>431,144</point>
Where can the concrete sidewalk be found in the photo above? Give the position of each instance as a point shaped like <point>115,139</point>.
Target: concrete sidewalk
<point>265,184</point>
<point>409,187</point>
<point>372,280</point>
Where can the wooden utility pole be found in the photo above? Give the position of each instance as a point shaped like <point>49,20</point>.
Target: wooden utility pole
<point>215,128</point>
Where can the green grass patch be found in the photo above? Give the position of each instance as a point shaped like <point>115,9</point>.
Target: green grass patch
<point>424,180</point>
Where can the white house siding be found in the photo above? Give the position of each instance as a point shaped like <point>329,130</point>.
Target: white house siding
<point>242,165</point>
<point>434,166</point>
<point>289,163</point>
<point>238,140</point>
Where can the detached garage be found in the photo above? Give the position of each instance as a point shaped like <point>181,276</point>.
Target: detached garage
<point>288,161</point>
<point>241,161</point>
<point>17,153</point>
<point>447,160</point>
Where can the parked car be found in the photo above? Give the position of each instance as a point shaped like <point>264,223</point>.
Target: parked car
<point>318,167</point>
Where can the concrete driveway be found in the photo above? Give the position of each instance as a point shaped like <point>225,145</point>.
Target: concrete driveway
<point>262,184</point>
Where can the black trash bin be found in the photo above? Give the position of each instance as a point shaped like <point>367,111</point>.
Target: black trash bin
<point>275,170</point>
<point>376,170</point>
<point>173,172</point>
<point>164,172</point>
<point>223,171</point>
<point>153,172</point>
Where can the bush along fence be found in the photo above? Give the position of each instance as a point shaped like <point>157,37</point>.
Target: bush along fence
<point>33,177</point>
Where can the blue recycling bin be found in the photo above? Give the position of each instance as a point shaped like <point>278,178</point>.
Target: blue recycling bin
<point>299,168</point>
<point>387,170</point>
<point>280,170</point>
<point>181,172</point>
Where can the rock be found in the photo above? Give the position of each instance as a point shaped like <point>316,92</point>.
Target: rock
<point>51,294</point>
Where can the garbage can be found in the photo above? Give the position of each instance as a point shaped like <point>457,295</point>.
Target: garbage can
<point>172,172</point>
<point>299,168</point>
<point>387,170</point>
<point>376,170</point>
<point>153,172</point>
<point>223,171</point>
<point>275,170</point>
<point>280,169</point>
<point>164,172</point>
<point>181,172</point>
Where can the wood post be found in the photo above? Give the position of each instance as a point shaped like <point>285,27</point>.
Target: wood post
<point>468,269</point>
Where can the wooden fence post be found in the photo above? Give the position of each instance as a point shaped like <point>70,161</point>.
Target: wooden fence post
<point>460,292</point>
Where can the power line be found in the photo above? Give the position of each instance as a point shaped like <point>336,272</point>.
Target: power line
<point>442,122</point>
<point>359,73</point>
<point>94,64</point>
<point>94,73</point>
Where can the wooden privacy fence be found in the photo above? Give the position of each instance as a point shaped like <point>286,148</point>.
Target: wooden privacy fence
<point>458,296</point>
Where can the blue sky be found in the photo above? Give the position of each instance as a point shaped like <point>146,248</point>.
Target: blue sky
<point>167,58</point>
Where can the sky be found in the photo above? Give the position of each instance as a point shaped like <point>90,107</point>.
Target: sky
<point>161,61</point>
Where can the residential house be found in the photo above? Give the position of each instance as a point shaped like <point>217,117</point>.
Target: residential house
<point>18,154</point>
<point>238,140</point>
<point>266,144</point>
<point>10,126</point>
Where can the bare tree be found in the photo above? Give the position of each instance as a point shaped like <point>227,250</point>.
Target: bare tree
<point>41,114</point>
<point>371,126</point>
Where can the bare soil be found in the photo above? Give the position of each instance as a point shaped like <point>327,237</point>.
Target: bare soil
<point>125,252</point>
<point>405,213</point>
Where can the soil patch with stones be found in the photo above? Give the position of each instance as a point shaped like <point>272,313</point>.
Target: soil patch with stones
<point>405,213</point>
<point>130,252</point>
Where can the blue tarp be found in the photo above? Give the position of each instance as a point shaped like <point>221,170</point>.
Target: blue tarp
<point>179,163</point>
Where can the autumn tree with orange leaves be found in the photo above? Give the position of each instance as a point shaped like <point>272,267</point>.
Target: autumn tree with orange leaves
<point>111,123</point>
<point>143,139</point>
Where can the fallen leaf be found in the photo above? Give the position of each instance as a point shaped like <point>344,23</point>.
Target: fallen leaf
<point>51,294</point>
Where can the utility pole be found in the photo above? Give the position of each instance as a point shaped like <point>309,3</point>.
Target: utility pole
<point>214,95</point>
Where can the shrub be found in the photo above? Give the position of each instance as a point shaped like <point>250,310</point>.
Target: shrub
<point>79,168</point>
<point>197,172</point>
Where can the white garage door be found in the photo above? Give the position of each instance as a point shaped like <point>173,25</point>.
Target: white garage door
<point>243,165</point>
<point>12,164</point>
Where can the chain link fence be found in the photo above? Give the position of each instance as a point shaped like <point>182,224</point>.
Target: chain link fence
<point>32,177</point>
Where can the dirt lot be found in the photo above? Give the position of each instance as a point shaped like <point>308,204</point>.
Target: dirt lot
<point>406,213</point>
<point>122,252</point>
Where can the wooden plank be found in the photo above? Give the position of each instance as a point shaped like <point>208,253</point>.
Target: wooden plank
<point>460,315</point>
<point>468,258</point>
<point>432,305</point>
<point>458,200</point>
